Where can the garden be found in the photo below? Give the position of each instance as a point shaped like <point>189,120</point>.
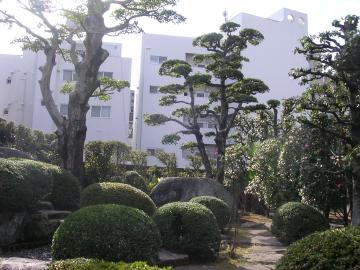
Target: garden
<point>283,191</point>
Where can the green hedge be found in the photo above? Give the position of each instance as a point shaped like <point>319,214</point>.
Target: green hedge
<point>190,228</point>
<point>65,194</point>
<point>107,232</point>
<point>218,207</point>
<point>91,264</point>
<point>293,221</point>
<point>117,193</point>
<point>22,184</point>
<point>332,249</point>
<point>134,179</point>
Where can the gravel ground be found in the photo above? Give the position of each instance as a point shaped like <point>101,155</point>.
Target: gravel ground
<point>41,253</point>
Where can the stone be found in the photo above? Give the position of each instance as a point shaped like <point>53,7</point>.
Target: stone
<point>44,205</point>
<point>6,152</point>
<point>173,189</point>
<point>167,258</point>
<point>15,263</point>
<point>11,227</point>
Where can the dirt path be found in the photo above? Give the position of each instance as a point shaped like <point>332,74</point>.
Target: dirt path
<point>256,248</point>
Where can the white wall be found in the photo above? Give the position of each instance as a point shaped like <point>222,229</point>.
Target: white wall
<point>271,62</point>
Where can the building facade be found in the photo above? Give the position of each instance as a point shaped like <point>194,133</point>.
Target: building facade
<point>21,99</point>
<point>270,61</point>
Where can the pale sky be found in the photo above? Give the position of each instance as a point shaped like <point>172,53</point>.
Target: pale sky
<point>204,16</point>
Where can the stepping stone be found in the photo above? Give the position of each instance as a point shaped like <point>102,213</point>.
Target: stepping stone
<point>266,258</point>
<point>265,241</point>
<point>259,232</point>
<point>54,214</point>
<point>257,267</point>
<point>167,258</point>
<point>249,224</point>
<point>15,263</point>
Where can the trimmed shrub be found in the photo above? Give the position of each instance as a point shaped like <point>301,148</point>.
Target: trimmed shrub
<point>22,184</point>
<point>134,179</point>
<point>107,232</point>
<point>218,207</point>
<point>65,194</point>
<point>190,228</point>
<point>117,193</point>
<point>332,249</point>
<point>293,221</point>
<point>92,264</point>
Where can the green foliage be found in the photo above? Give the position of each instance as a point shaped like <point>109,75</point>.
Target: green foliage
<point>293,221</point>
<point>134,179</point>
<point>266,183</point>
<point>188,228</point>
<point>169,160</point>
<point>117,193</point>
<point>337,249</point>
<point>39,145</point>
<point>93,264</point>
<point>139,160</point>
<point>65,193</point>
<point>218,207</point>
<point>105,159</point>
<point>107,232</point>
<point>23,183</point>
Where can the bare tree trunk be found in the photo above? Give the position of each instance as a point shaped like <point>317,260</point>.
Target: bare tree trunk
<point>204,155</point>
<point>220,161</point>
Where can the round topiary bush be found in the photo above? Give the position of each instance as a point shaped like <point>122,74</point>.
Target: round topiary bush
<point>293,221</point>
<point>190,228</point>
<point>117,193</point>
<point>218,207</point>
<point>134,179</point>
<point>332,249</point>
<point>65,194</point>
<point>22,184</point>
<point>108,232</point>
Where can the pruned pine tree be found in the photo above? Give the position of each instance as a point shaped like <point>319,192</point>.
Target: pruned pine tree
<point>87,25</point>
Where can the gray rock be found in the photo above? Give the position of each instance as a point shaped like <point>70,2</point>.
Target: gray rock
<point>22,264</point>
<point>6,152</point>
<point>183,189</point>
<point>11,227</point>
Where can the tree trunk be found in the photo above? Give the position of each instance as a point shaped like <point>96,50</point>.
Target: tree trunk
<point>220,161</point>
<point>204,155</point>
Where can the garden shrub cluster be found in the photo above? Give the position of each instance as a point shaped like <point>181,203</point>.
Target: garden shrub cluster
<point>134,179</point>
<point>117,193</point>
<point>189,228</point>
<point>23,183</point>
<point>218,207</point>
<point>109,232</point>
<point>93,264</point>
<point>337,249</point>
<point>293,221</point>
<point>65,193</point>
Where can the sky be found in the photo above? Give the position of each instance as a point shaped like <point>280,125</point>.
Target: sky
<point>204,16</point>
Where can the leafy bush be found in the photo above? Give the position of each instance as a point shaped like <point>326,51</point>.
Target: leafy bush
<point>189,228</point>
<point>65,194</point>
<point>134,179</point>
<point>332,249</point>
<point>93,264</point>
<point>293,221</point>
<point>117,193</point>
<point>22,184</point>
<point>218,207</point>
<point>107,232</point>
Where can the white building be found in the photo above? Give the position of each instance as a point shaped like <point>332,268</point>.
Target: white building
<point>21,100</point>
<point>270,61</point>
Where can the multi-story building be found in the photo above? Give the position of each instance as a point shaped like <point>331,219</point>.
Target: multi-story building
<point>271,62</point>
<point>21,100</point>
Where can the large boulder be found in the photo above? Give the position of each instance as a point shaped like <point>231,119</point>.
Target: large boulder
<point>11,227</point>
<point>174,189</point>
<point>6,152</point>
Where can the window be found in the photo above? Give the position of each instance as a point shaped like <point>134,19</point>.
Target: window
<point>189,58</point>
<point>6,111</point>
<point>69,75</point>
<point>185,94</point>
<point>155,59</point>
<point>154,89</point>
<point>153,151</point>
<point>101,111</point>
<point>102,74</point>
<point>211,125</point>
<point>64,109</point>
<point>8,80</point>
<point>200,94</point>
<point>201,125</point>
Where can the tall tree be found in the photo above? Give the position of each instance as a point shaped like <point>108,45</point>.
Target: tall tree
<point>335,58</point>
<point>231,92</point>
<point>88,26</point>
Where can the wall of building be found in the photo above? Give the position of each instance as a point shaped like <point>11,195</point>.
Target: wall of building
<point>271,62</point>
<point>25,99</point>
